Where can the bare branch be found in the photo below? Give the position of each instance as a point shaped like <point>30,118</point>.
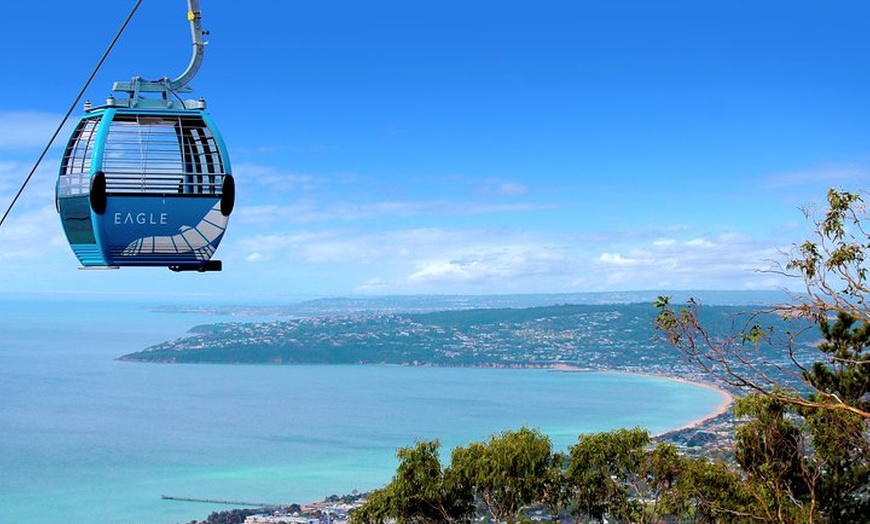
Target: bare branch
<point>727,361</point>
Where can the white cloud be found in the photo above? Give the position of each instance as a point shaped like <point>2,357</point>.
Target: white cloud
<point>618,260</point>
<point>445,271</point>
<point>484,260</point>
<point>375,285</point>
<point>826,175</point>
<point>276,180</point>
<point>727,260</point>
<point>699,242</point>
<point>33,234</point>
<point>512,188</point>
<point>503,188</point>
<point>26,129</point>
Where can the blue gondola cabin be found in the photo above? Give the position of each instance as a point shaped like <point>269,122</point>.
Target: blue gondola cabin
<point>145,187</point>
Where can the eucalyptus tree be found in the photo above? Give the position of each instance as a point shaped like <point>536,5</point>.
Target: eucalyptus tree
<point>803,440</point>
<point>421,492</point>
<point>712,492</point>
<point>601,470</point>
<point>832,266</point>
<point>506,473</point>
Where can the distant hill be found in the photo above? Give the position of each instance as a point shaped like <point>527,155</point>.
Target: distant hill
<point>590,336</point>
<point>440,302</point>
<point>330,306</point>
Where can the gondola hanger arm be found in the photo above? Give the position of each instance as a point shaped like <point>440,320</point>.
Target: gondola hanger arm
<point>194,16</point>
<point>137,85</point>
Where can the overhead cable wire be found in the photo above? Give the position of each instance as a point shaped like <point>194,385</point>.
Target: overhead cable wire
<point>71,109</point>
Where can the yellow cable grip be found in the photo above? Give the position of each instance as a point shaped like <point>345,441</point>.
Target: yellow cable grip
<point>190,16</point>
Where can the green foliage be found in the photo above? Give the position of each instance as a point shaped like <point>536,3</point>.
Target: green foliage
<point>842,452</point>
<point>421,492</point>
<point>839,438</point>
<point>804,451</point>
<point>805,455</point>
<point>376,510</point>
<point>506,473</point>
<point>846,373</point>
<point>233,516</point>
<point>833,263</point>
<point>711,492</point>
<point>617,476</point>
<point>621,476</point>
<point>601,468</point>
<point>557,494</point>
<point>770,448</point>
<point>662,468</point>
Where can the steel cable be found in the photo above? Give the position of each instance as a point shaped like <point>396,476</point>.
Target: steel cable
<point>70,110</point>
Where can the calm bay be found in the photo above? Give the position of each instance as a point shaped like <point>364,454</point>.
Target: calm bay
<point>85,438</point>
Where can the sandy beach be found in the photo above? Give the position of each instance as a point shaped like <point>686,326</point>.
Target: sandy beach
<point>723,407</point>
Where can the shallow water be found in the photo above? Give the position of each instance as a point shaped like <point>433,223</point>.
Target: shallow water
<point>86,438</point>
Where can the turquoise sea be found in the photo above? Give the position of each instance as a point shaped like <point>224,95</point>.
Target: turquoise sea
<point>85,438</point>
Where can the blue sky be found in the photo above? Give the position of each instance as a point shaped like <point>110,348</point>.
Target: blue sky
<point>399,147</point>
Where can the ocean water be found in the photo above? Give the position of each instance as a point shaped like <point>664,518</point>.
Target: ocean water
<point>85,438</point>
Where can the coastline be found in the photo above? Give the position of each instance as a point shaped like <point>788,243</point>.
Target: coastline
<point>728,399</point>
<point>724,406</point>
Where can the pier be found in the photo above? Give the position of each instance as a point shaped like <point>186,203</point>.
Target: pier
<point>269,505</point>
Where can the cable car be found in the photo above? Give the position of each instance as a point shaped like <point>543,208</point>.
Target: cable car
<point>145,179</point>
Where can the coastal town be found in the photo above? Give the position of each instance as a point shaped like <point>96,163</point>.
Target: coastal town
<point>332,510</point>
<point>613,337</point>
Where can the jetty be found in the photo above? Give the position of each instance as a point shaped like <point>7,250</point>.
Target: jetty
<point>269,505</point>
